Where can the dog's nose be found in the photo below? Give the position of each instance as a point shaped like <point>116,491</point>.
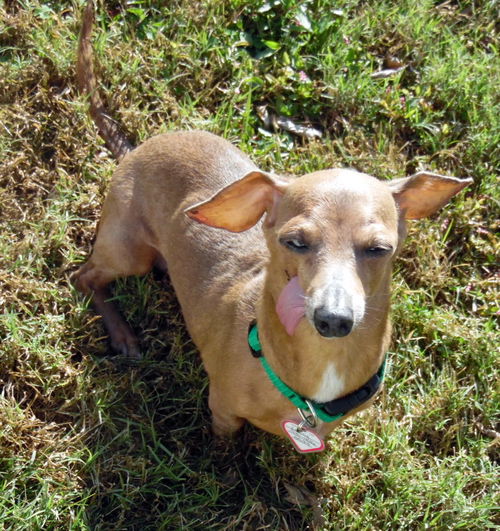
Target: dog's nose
<point>333,324</point>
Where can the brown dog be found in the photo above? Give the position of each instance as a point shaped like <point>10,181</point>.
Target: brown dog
<point>315,274</point>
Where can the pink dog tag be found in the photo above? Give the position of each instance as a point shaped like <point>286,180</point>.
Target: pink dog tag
<point>304,440</point>
<point>291,305</point>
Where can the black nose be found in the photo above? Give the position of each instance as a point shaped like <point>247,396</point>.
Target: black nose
<point>333,324</point>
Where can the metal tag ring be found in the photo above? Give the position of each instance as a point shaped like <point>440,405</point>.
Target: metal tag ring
<point>311,420</point>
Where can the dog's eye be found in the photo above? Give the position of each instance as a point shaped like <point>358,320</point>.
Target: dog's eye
<point>378,251</point>
<point>295,244</point>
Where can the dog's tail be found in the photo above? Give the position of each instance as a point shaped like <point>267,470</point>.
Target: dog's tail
<point>114,137</point>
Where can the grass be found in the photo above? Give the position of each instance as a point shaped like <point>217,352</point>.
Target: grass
<point>87,443</point>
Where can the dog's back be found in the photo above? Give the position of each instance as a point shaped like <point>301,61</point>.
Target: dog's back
<point>153,186</point>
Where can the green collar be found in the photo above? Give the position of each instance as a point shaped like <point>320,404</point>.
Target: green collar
<point>326,411</point>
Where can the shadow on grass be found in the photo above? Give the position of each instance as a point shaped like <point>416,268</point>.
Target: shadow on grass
<point>153,462</point>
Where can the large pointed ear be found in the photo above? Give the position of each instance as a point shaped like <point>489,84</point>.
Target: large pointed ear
<point>424,193</point>
<point>240,205</point>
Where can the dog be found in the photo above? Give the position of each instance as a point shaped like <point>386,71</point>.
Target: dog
<point>284,283</point>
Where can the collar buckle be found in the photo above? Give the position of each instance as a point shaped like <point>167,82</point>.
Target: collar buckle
<point>356,398</point>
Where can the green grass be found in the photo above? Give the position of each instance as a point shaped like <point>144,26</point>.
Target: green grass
<point>87,442</point>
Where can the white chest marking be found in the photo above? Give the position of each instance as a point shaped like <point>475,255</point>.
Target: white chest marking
<point>331,385</point>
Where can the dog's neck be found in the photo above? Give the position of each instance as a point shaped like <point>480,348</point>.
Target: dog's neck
<point>319,368</point>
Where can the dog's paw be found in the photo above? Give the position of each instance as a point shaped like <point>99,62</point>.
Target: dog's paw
<point>127,348</point>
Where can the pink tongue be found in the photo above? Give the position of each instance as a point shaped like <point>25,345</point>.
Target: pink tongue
<point>291,305</point>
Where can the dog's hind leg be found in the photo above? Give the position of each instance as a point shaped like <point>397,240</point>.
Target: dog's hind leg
<point>120,250</point>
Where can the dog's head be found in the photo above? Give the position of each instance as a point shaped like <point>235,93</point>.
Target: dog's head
<point>332,236</point>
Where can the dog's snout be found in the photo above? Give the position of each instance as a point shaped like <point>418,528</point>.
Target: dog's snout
<point>333,324</point>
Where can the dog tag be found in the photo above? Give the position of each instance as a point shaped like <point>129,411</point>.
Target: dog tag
<point>304,440</point>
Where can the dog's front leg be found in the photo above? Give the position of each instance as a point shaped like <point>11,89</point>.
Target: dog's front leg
<point>224,422</point>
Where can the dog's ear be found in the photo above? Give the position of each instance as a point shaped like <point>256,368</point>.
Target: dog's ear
<point>420,195</point>
<point>240,205</point>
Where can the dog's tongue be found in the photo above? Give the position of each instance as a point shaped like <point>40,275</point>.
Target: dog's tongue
<point>291,305</point>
